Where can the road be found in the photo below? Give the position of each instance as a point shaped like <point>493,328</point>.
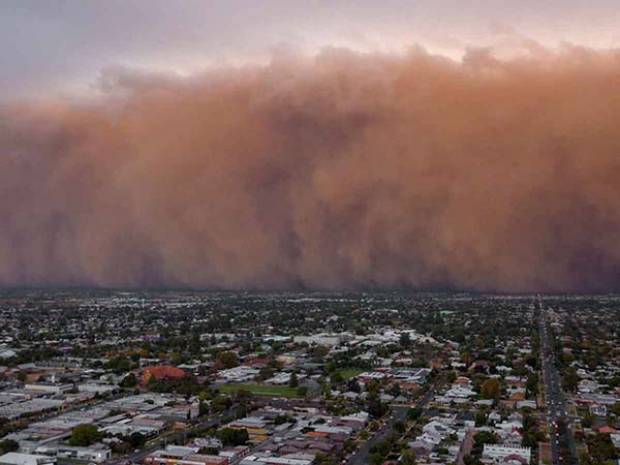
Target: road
<point>398,413</point>
<point>563,450</point>
<point>466,447</point>
<point>171,437</point>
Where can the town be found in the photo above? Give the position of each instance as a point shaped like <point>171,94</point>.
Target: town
<point>259,378</point>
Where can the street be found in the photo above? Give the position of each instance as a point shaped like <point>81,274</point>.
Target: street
<point>563,450</point>
<point>398,413</point>
<point>160,442</point>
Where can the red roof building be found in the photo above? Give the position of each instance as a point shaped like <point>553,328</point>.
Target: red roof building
<point>159,372</point>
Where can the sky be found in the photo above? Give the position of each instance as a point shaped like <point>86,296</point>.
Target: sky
<point>53,47</point>
<point>310,145</point>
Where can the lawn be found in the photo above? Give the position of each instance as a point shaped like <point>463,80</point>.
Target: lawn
<point>260,389</point>
<point>348,373</point>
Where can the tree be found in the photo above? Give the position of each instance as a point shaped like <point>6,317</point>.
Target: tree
<point>137,440</point>
<point>414,413</point>
<point>8,445</point>
<point>408,457</point>
<point>227,359</point>
<point>571,379</point>
<point>119,364</point>
<point>221,403</point>
<point>84,435</point>
<point>587,420</point>
<point>532,384</point>
<point>376,458</point>
<point>233,436</point>
<point>203,408</point>
<point>467,358</point>
<point>121,447</point>
<point>399,426</point>
<point>354,386</point>
<point>491,388</point>
<point>129,381</point>
<point>395,390</point>
<point>601,448</point>
<point>280,419</point>
<point>376,408</point>
<point>484,437</point>
<point>266,372</point>
<point>336,378</point>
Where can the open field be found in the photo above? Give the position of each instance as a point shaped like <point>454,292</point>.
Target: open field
<point>348,373</point>
<point>260,389</point>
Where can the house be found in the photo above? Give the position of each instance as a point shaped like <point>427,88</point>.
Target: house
<point>598,410</point>
<point>458,391</point>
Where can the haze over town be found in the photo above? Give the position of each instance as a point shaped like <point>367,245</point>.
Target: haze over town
<point>330,161</point>
<point>320,232</point>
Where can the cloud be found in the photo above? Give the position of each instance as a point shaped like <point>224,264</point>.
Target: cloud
<point>344,170</point>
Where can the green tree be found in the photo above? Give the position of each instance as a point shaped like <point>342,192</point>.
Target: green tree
<point>491,388</point>
<point>84,435</point>
<point>8,445</point>
<point>203,408</point>
<point>532,384</point>
<point>601,448</point>
<point>484,437</point>
<point>414,413</point>
<point>137,440</point>
<point>408,457</point>
<point>233,436</point>
<point>129,381</point>
<point>119,364</point>
<point>571,379</point>
<point>227,359</point>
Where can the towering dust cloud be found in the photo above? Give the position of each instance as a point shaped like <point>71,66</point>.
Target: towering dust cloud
<point>340,171</point>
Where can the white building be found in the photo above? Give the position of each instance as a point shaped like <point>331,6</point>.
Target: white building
<point>506,455</point>
<point>239,374</point>
<point>460,392</point>
<point>14,458</point>
<point>96,453</point>
<point>52,388</point>
<point>323,339</point>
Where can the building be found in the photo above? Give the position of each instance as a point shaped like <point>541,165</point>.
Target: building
<point>322,339</point>
<point>14,458</point>
<point>52,388</point>
<point>506,455</point>
<point>96,453</point>
<point>159,372</point>
<point>238,374</point>
<point>179,455</point>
